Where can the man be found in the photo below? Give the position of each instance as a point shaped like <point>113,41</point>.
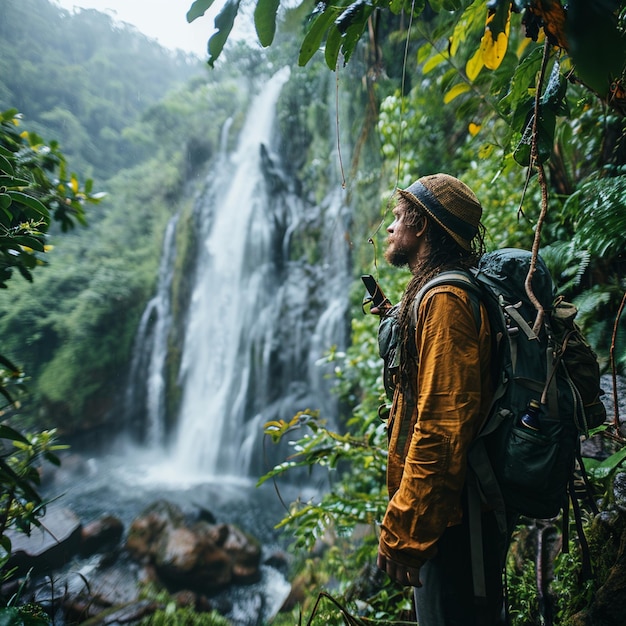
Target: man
<point>442,392</point>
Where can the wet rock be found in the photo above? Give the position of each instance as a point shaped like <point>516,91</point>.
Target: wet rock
<point>49,546</point>
<point>189,558</point>
<point>244,552</point>
<point>100,534</point>
<point>87,588</point>
<point>200,556</point>
<point>147,528</point>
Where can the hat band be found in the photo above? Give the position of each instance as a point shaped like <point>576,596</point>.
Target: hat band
<point>449,221</point>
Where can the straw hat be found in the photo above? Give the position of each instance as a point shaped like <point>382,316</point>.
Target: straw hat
<point>448,201</point>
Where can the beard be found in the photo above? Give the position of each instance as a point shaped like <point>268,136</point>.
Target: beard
<point>396,256</point>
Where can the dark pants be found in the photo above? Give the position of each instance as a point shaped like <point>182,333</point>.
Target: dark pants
<point>446,597</point>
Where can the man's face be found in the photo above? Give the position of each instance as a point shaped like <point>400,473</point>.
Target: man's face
<point>403,243</point>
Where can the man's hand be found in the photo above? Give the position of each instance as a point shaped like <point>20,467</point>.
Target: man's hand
<point>402,574</point>
<point>382,309</point>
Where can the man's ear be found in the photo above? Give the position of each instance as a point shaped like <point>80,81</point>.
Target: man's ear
<point>421,226</point>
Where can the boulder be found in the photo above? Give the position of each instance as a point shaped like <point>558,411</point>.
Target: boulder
<point>100,534</point>
<point>199,556</point>
<point>188,558</point>
<point>146,530</point>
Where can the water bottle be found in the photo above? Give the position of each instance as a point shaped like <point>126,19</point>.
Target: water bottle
<point>530,419</point>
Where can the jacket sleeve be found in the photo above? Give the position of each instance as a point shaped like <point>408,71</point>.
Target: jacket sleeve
<point>449,413</point>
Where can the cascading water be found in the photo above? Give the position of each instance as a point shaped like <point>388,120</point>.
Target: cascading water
<point>259,320</point>
<point>150,350</point>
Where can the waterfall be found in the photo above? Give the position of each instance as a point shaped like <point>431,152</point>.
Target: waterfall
<point>260,319</point>
<point>150,351</point>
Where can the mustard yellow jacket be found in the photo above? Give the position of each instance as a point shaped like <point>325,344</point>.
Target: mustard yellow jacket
<point>432,425</point>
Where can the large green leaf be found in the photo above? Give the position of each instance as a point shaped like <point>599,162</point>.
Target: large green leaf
<point>6,432</point>
<point>12,181</point>
<point>607,467</point>
<point>313,40</point>
<point>29,242</point>
<point>349,27</point>
<point>596,43</point>
<point>198,9</point>
<point>29,202</point>
<point>523,79</point>
<point>265,20</point>
<point>351,15</point>
<point>333,46</point>
<point>224,24</point>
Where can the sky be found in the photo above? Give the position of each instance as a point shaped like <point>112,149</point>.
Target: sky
<point>163,20</point>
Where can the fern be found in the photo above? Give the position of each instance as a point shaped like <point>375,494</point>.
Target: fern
<point>601,222</point>
<point>567,263</point>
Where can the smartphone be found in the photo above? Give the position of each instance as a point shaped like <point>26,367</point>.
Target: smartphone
<point>373,288</point>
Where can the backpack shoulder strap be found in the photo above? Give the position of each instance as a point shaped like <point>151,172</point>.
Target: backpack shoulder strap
<point>459,278</point>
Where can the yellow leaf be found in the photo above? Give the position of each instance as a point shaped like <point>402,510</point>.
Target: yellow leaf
<point>474,129</point>
<point>494,50</point>
<point>434,61</point>
<point>457,90</point>
<point>74,184</point>
<point>485,150</point>
<point>474,65</point>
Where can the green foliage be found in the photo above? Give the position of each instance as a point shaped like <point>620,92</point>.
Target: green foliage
<point>25,615</point>
<point>603,472</point>
<point>172,615</point>
<point>523,594</point>
<point>21,506</point>
<point>34,189</point>
<point>361,500</point>
<point>597,210</point>
<point>565,592</point>
<point>571,594</point>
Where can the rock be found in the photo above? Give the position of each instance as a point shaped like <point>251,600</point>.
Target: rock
<point>49,546</point>
<point>201,557</point>
<point>190,559</point>
<point>244,552</point>
<point>146,529</point>
<point>101,533</point>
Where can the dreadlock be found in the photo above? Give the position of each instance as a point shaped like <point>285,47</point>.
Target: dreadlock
<point>445,254</point>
